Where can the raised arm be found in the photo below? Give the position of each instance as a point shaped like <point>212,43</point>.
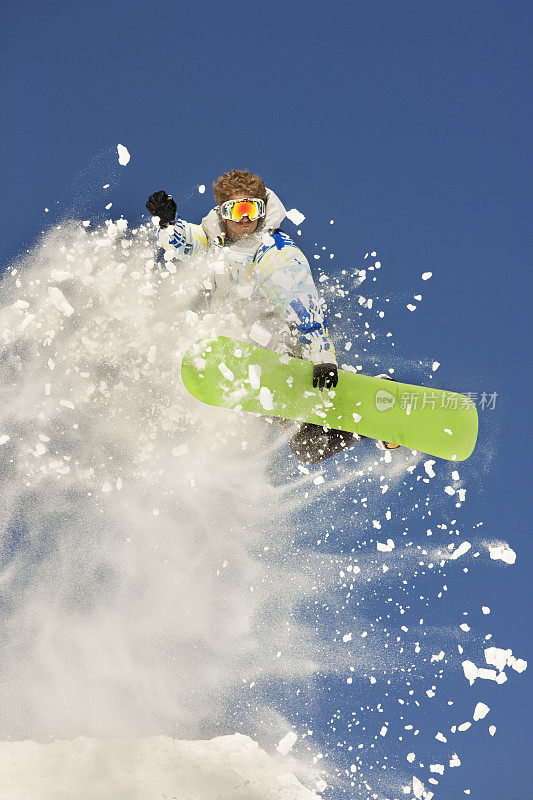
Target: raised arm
<point>175,234</point>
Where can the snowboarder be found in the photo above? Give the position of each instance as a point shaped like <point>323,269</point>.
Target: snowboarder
<point>244,231</point>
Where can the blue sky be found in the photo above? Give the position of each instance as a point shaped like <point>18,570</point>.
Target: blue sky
<point>409,124</point>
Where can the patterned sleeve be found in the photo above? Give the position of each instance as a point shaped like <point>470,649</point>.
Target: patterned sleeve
<point>184,237</point>
<point>284,274</point>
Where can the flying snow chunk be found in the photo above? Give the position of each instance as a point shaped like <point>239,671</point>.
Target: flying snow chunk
<point>4,438</point>
<point>411,307</point>
<point>201,188</point>
<point>480,711</point>
<point>471,671</point>
<point>295,216</point>
<point>266,399</point>
<point>227,373</point>
<point>435,366</point>
<point>123,155</point>
<point>497,657</point>
<point>260,335</point>
<point>463,548</point>
<point>502,552</point>
<point>384,730</point>
<point>426,276</point>
<point>455,761</point>
<point>492,730</point>
<point>385,548</point>
<point>58,299</point>
<point>181,450</point>
<point>254,374</point>
<point>428,466</point>
<point>286,744</point>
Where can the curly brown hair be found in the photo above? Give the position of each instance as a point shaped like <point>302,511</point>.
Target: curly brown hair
<point>238,180</point>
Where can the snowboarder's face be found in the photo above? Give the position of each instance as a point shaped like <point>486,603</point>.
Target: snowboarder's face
<point>245,226</point>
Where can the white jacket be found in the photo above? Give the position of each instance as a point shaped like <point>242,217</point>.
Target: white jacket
<point>267,260</point>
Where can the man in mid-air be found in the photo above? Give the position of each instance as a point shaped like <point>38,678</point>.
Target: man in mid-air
<point>243,232</point>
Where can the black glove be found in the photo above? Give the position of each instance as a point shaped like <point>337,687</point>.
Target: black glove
<point>162,205</point>
<point>325,376</point>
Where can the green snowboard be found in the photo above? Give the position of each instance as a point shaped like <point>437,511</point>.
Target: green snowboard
<point>240,375</point>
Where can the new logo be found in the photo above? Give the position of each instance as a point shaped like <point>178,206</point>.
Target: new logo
<point>384,400</point>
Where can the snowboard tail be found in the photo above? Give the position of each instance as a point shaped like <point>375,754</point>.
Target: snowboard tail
<point>242,376</point>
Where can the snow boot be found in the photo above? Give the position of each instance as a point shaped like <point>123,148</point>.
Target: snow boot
<point>312,444</point>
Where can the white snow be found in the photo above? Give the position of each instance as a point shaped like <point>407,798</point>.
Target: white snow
<point>180,450</point>
<point>266,398</point>
<point>426,276</point>
<point>471,671</point>
<point>254,375</point>
<point>295,216</point>
<point>260,335</point>
<point>286,744</point>
<point>428,466</point>
<point>123,155</point>
<point>502,552</point>
<point>497,657</point>
<point>58,299</point>
<point>385,548</point>
<point>226,372</point>
<point>159,767</point>
<point>480,712</point>
<point>463,548</point>
<point>201,188</point>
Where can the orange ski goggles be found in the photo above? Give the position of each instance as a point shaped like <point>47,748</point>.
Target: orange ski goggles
<point>235,210</point>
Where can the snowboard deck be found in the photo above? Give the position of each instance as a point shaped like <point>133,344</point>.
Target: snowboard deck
<point>243,376</point>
